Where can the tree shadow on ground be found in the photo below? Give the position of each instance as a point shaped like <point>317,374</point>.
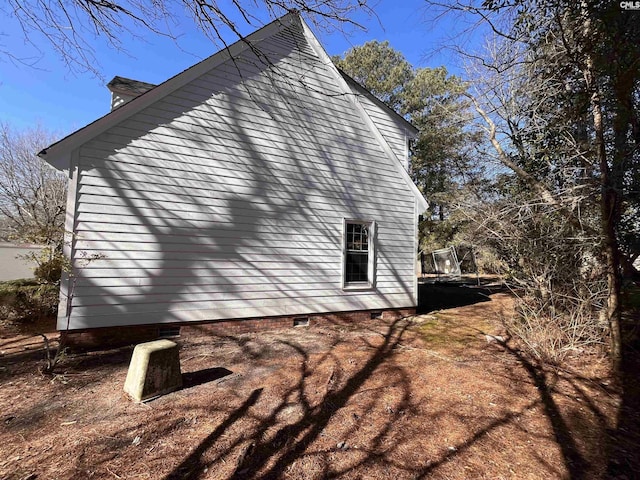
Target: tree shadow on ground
<point>566,433</point>
<point>440,296</point>
<point>624,440</point>
<point>192,379</point>
<point>354,408</point>
<point>24,348</point>
<point>270,446</point>
<point>191,466</point>
<point>10,328</point>
<point>101,359</point>
<point>573,428</point>
<point>266,456</point>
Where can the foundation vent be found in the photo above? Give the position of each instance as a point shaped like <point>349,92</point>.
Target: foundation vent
<point>301,322</point>
<point>168,332</point>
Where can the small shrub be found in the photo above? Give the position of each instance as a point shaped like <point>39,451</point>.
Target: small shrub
<point>50,263</point>
<point>27,300</point>
<point>49,271</point>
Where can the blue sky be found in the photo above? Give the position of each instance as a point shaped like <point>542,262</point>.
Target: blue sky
<point>61,101</point>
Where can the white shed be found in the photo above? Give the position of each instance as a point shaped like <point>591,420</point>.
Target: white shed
<point>261,183</point>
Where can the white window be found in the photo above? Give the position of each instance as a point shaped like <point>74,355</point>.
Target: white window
<point>358,254</point>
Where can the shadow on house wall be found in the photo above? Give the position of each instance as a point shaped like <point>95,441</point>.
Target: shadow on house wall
<point>226,200</point>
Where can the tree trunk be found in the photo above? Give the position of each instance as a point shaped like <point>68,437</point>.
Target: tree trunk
<point>608,201</point>
<point>614,311</point>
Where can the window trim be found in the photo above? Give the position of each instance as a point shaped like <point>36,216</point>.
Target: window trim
<point>371,260</point>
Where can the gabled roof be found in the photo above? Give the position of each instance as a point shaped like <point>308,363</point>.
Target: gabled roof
<point>59,153</point>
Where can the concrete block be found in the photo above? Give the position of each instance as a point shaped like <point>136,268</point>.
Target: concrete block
<point>154,370</point>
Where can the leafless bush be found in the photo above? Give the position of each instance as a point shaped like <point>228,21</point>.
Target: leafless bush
<point>554,270</point>
<point>560,324</point>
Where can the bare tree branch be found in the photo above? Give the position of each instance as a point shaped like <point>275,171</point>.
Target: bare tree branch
<point>71,27</point>
<point>32,194</point>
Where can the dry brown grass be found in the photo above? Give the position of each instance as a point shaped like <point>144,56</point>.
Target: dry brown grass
<point>424,397</point>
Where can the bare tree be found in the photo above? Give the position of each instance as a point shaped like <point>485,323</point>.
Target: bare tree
<point>32,193</point>
<point>561,117</point>
<point>71,27</point>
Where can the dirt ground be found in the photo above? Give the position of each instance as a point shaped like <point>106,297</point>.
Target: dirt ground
<point>424,397</point>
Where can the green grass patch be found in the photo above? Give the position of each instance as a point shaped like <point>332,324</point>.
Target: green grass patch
<point>441,331</point>
<point>456,333</point>
<point>434,332</point>
<point>12,285</point>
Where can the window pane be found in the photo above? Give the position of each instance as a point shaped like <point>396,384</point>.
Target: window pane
<point>357,266</point>
<point>357,237</point>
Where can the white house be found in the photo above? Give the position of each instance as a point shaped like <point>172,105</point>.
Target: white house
<point>261,183</point>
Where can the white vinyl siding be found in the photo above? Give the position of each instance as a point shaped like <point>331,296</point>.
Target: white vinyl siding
<point>226,199</point>
<point>391,127</point>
